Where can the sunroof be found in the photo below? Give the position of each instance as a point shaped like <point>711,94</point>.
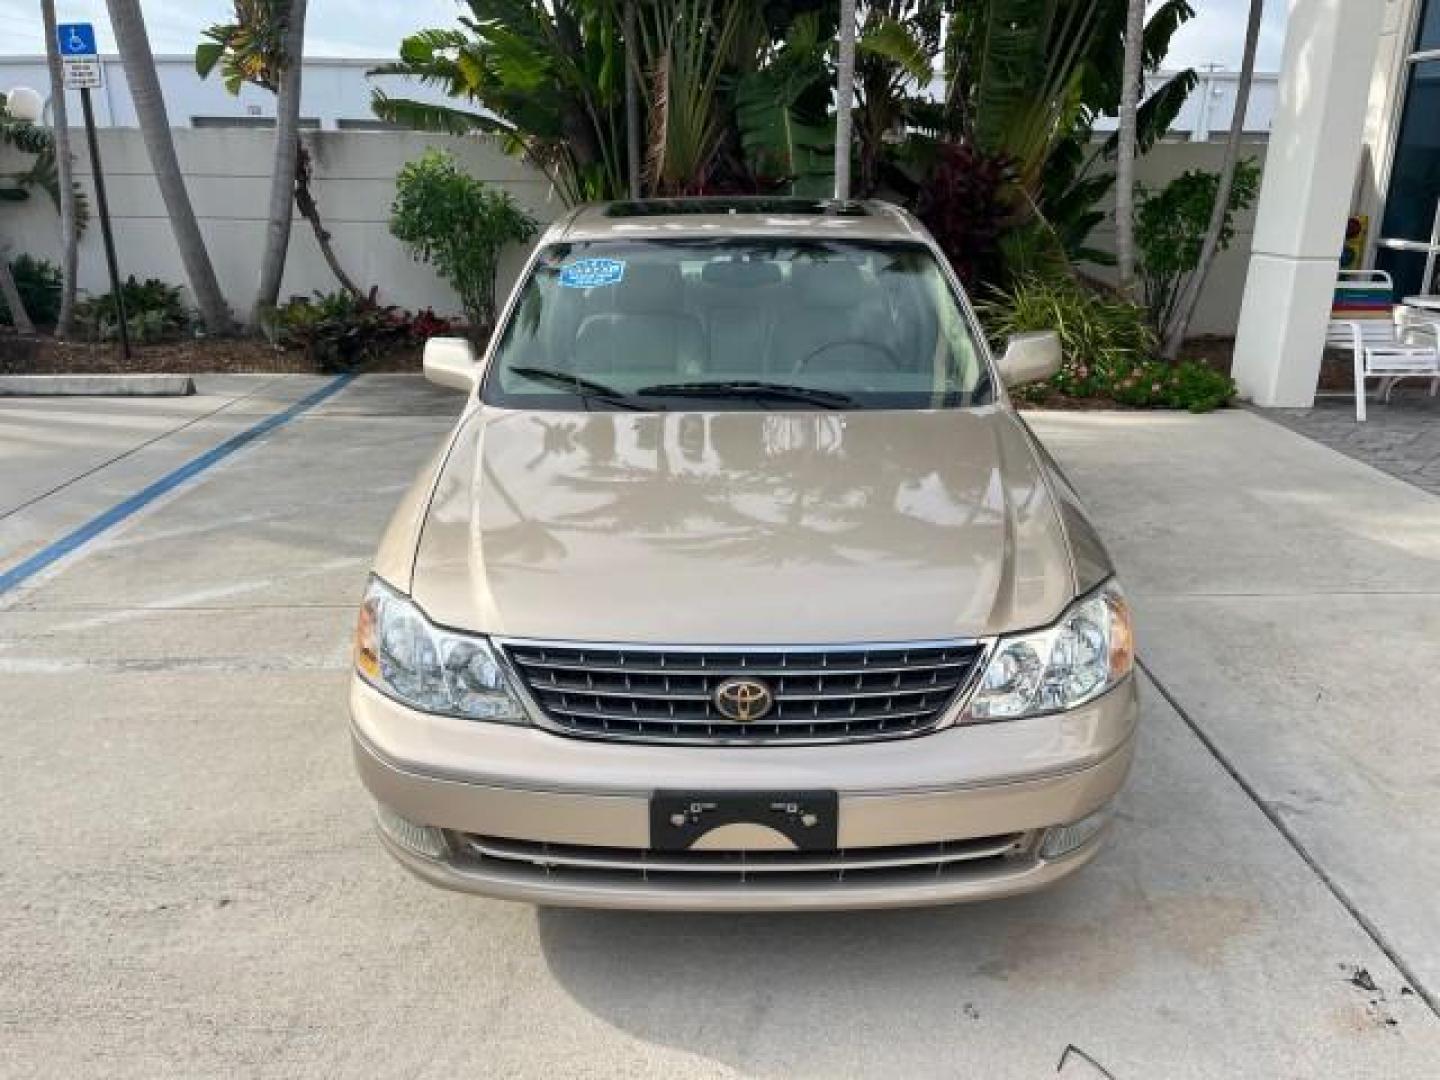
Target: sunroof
<point>734,205</point>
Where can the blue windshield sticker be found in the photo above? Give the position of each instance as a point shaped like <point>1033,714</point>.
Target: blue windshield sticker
<point>592,273</point>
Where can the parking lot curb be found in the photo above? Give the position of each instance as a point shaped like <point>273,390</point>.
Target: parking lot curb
<point>96,385</point>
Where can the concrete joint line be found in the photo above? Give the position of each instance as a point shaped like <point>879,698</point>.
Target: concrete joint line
<point>1371,930</point>
<point>77,538</point>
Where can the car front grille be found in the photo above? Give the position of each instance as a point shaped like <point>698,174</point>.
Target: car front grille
<point>910,862</point>
<point>819,695</point>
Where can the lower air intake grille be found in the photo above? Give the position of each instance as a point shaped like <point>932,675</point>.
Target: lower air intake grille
<point>910,862</point>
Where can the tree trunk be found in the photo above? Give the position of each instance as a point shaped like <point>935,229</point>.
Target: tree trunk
<point>1125,158</point>
<point>305,203</point>
<point>19,317</point>
<point>69,223</point>
<point>1175,335</point>
<point>282,174</point>
<point>844,99</point>
<point>632,100</point>
<point>130,36</point>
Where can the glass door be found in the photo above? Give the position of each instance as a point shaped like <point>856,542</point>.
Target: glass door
<point>1410,229</point>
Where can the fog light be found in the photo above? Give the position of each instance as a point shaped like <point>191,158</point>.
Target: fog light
<point>1063,839</point>
<point>419,839</point>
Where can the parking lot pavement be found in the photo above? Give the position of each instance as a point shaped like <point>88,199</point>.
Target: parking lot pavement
<point>1287,596</point>
<point>67,460</point>
<point>191,887</point>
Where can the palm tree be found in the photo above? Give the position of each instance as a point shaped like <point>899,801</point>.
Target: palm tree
<point>134,44</point>
<point>1175,335</point>
<point>1125,155</point>
<point>632,99</point>
<point>264,47</point>
<point>282,174</point>
<point>69,222</point>
<point>844,99</point>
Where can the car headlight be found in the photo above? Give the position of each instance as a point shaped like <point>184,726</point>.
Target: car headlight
<point>1085,653</point>
<point>400,653</point>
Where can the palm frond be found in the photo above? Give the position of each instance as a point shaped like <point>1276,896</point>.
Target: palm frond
<point>892,40</point>
<point>1161,26</point>
<point>425,116</point>
<point>1157,113</point>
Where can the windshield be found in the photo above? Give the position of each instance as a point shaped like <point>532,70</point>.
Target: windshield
<point>737,324</point>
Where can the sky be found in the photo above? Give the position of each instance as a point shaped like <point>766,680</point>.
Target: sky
<point>374,28</point>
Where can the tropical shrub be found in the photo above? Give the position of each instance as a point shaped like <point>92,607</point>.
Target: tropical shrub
<point>1108,348</point>
<point>426,324</point>
<point>454,222</point>
<point>1099,335</point>
<point>1029,80</point>
<point>1170,227</point>
<point>1156,384</point>
<point>338,331</point>
<point>154,311</point>
<point>38,282</point>
<point>736,96</point>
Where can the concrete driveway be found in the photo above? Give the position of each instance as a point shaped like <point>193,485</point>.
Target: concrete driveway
<point>189,887</point>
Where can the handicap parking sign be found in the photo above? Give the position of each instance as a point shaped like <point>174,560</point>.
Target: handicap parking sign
<point>79,59</point>
<point>76,39</point>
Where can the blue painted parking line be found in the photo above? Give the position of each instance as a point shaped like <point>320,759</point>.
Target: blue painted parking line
<point>77,538</point>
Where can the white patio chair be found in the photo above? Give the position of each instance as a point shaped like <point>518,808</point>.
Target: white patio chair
<point>1382,350</point>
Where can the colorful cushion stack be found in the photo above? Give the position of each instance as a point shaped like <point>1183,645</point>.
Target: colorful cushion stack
<point>1362,300</point>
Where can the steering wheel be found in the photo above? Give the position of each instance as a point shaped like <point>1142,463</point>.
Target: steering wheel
<point>892,361</point>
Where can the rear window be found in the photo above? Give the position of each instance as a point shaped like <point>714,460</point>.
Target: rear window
<point>737,324</point>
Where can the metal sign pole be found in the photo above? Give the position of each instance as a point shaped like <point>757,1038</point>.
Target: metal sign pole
<point>103,207</point>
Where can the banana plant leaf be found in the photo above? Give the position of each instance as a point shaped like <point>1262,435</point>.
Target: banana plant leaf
<point>783,144</point>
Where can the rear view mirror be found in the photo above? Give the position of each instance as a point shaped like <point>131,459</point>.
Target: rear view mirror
<point>450,361</point>
<point>1032,357</point>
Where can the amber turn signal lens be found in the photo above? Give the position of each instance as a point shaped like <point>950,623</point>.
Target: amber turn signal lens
<point>367,655</point>
<point>1122,635</point>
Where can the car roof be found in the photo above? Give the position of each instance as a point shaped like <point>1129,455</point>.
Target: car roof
<point>738,218</point>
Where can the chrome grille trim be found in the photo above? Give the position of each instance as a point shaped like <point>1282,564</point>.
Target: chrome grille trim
<point>739,867</point>
<point>823,693</point>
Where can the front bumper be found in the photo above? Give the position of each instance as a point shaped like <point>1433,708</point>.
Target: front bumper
<point>578,811</point>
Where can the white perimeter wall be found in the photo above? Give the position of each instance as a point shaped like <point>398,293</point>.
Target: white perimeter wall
<point>228,176</point>
<point>227,173</point>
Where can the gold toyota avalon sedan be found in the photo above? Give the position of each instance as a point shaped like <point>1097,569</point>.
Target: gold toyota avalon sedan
<point>740,585</point>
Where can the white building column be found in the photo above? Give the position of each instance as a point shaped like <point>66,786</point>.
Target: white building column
<point>1310,171</point>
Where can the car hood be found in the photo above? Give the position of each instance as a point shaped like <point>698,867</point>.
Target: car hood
<point>742,528</point>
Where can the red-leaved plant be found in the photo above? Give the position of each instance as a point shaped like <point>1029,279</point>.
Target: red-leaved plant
<point>968,204</point>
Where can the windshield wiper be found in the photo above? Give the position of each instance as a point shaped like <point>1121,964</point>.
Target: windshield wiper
<point>577,384</point>
<point>750,388</point>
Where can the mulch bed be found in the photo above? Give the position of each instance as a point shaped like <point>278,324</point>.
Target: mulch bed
<point>46,356</point>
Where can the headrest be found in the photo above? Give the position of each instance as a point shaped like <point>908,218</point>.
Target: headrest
<point>833,284</point>
<point>737,274</point>
<point>650,289</point>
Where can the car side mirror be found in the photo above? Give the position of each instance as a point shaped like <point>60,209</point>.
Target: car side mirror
<point>1032,357</point>
<point>451,361</point>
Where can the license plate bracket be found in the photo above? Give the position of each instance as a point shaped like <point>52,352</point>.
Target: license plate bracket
<point>809,819</point>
